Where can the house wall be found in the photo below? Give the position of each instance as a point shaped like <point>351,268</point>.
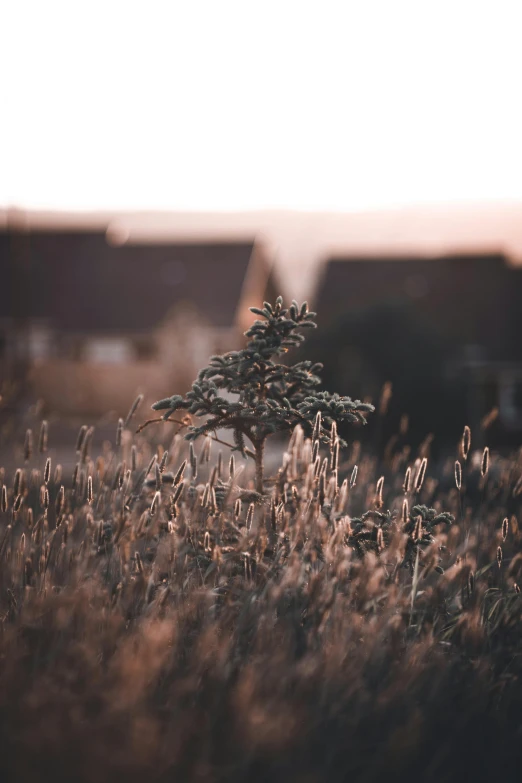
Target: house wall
<point>185,341</point>
<point>74,388</point>
<point>99,387</point>
<point>87,358</point>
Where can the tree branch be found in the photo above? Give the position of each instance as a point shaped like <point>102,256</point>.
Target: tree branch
<point>159,420</point>
<point>183,424</point>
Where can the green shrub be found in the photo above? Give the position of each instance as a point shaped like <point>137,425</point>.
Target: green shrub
<point>269,397</point>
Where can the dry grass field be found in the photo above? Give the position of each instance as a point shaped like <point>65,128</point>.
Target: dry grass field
<point>161,620</point>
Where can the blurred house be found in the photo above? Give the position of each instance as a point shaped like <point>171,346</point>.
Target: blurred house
<point>445,331</point>
<point>88,321</point>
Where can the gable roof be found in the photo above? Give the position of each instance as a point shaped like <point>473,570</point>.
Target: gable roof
<point>80,283</point>
<point>471,298</point>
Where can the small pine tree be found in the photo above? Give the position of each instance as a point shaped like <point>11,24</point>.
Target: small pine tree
<point>270,397</point>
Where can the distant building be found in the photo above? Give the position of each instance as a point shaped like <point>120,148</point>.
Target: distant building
<point>88,323</point>
<point>446,331</point>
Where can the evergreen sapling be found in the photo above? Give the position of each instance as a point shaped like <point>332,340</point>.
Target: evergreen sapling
<point>264,396</point>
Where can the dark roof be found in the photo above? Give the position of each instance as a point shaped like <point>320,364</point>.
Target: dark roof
<point>81,283</point>
<point>471,298</point>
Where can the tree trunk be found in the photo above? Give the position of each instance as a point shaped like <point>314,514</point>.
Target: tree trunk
<point>260,456</point>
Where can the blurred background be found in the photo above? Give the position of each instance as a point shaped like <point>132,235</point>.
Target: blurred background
<point>165,167</point>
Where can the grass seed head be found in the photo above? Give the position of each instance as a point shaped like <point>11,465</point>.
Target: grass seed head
<point>378,501</point>
<point>420,475</point>
<point>193,461</point>
<point>81,437</point>
<point>315,451</point>
<point>316,434</point>
<point>458,474</point>
<point>334,457</point>
<point>505,528</point>
<point>43,437</point>
<point>60,500</point>
<point>465,444</point>
<point>119,433</point>
<point>156,500</point>
<point>134,407</point>
<point>407,480</point>
<point>417,530</point>
<point>250,516</point>
<point>207,449</point>
<point>47,470</point>
<point>18,483</point>
<point>178,492</point>
<point>484,465</point>
<point>179,475</point>
<point>333,436</point>
<point>28,445</point>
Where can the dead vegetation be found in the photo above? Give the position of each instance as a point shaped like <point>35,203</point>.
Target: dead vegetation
<point>163,620</point>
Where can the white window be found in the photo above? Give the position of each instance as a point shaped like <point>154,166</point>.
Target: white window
<point>36,344</point>
<point>108,350</point>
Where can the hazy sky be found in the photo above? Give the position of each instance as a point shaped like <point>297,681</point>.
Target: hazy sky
<point>256,104</point>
